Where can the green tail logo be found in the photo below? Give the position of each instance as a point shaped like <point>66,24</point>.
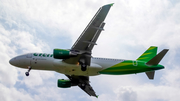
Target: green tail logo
<point>148,54</point>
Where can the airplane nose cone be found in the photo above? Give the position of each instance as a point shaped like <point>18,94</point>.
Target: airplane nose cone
<point>13,61</point>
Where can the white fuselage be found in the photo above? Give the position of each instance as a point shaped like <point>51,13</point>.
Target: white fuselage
<point>41,61</point>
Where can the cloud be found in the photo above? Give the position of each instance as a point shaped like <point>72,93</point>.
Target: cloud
<point>126,94</point>
<point>8,94</point>
<point>131,27</point>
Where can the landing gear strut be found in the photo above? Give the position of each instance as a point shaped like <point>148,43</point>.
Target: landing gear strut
<point>27,73</point>
<point>83,64</point>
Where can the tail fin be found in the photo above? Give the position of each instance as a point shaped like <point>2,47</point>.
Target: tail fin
<point>151,58</point>
<point>148,54</point>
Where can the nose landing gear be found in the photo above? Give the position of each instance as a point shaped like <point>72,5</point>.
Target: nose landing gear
<point>27,73</point>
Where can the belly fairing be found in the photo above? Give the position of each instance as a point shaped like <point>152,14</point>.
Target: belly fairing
<point>75,69</point>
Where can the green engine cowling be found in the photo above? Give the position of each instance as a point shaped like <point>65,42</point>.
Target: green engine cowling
<point>62,54</point>
<point>64,83</point>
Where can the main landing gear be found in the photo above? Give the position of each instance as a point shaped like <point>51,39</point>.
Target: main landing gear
<point>83,64</point>
<point>83,67</point>
<point>83,86</point>
<point>27,73</point>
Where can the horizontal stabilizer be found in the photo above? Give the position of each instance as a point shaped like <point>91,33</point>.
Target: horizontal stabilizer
<point>155,60</point>
<point>150,74</point>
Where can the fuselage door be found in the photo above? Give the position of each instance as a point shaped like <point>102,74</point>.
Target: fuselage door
<point>135,63</point>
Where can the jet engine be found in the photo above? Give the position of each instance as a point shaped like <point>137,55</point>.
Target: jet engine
<point>62,54</point>
<point>64,83</point>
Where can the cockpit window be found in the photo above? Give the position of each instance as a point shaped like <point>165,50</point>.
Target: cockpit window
<point>29,55</point>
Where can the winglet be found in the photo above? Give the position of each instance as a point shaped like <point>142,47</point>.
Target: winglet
<point>111,4</point>
<point>97,96</point>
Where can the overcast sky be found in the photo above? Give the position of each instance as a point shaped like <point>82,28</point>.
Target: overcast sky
<point>131,27</point>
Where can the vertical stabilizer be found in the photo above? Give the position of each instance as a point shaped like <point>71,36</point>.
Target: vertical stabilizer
<point>148,54</point>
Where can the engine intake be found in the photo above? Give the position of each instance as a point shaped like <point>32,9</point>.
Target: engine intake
<point>62,54</point>
<point>64,83</point>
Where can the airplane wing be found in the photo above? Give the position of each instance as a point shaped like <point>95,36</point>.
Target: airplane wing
<point>83,83</point>
<point>89,36</point>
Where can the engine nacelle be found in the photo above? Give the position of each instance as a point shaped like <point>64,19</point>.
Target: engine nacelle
<point>62,54</point>
<point>64,83</point>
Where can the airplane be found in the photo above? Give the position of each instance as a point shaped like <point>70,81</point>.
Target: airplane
<point>78,64</point>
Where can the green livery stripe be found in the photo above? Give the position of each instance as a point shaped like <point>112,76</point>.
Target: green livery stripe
<point>120,67</point>
<point>129,67</point>
<point>148,54</point>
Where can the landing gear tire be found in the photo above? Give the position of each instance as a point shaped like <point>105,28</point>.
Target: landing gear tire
<point>27,73</point>
<point>83,67</point>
